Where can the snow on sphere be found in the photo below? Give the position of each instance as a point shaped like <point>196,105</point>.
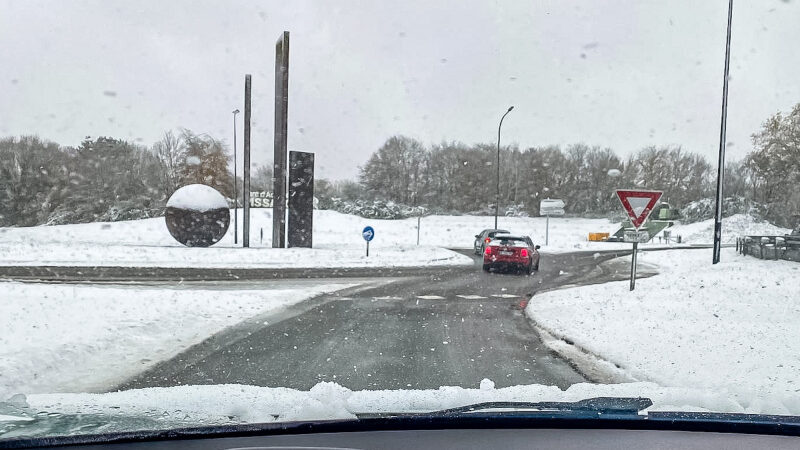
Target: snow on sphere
<point>197,197</point>
<point>197,215</point>
<point>487,384</point>
<point>614,173</point>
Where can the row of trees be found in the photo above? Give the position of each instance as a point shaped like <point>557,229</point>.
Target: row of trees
<point>110,179</point>
<point>454,177</point>
<point>103,179</point>
<point>457,177</point>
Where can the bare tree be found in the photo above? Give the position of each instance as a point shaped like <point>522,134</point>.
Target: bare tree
<point>171,151</point>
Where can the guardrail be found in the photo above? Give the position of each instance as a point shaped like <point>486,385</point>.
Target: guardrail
<point>770,247</point>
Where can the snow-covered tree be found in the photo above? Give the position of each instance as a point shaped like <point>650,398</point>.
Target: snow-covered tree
<point>775,164</point>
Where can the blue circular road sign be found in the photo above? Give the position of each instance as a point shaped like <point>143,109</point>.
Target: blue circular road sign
<point>368,233</point>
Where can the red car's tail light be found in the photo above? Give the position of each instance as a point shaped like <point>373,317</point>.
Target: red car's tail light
<point>488,251</point>
<point>523,253</point>
<point>487,240</point>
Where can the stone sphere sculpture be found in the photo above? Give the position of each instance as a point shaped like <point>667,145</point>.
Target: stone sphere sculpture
<point>197,215</point>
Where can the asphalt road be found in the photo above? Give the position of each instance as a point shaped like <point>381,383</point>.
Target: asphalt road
<point>447,327</point>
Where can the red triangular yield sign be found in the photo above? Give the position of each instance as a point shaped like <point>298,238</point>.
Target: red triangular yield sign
<point>638,204</point>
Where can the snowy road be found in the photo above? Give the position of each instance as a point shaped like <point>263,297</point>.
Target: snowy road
<point>453,326</point>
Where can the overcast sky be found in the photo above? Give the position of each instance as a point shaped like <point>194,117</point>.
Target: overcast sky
<point>623,74</point>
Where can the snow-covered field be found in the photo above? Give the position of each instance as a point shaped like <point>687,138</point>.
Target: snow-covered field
<point>729,328</point>
<point>337,241</point>
<point>78,338</point>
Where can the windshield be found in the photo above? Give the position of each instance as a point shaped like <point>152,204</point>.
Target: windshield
<point>494,233</point>
<point>239,212</point>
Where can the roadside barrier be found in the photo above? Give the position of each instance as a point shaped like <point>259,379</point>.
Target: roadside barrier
<point>785,247</point>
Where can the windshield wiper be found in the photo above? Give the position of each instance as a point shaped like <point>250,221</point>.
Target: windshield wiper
<point>596,405</point>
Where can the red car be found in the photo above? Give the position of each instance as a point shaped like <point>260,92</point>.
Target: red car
<point>507,251</point>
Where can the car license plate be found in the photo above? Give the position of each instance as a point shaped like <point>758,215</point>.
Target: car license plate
<point>506,253</point>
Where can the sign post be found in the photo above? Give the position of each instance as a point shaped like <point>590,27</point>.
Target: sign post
<point>638,205</point>
<point>633,265</point>
<point>368,233</point>
<point>550,207</point>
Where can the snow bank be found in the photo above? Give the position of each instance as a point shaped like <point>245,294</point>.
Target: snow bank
<point>732,227</point>
<point>698,233</point>
<point>74,338</point>
<point>197,197</point>
<point>225,404</point>
<point>730,327</point>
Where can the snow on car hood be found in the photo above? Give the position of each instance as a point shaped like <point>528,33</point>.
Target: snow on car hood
<point>226,404</point>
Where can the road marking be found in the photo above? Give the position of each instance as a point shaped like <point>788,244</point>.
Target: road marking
<point>505,296</point>
<point>470,297</point>
<point>430,297</point>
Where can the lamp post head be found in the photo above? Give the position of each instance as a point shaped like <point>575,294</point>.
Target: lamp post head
<point>510,108</point>
<point>236,111</point>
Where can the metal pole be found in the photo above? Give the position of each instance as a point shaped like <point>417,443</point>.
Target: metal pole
<point>419,219</point>
<point>280,168</point>
<point>235,196</point>
<point>721,163</point>
<point>246,181</point>
<point>547,232</point>
<point>497,198</point>
<point>633,265</point>
<point>367,248</point>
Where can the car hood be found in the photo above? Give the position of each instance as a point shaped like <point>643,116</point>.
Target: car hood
<point>191,406</point>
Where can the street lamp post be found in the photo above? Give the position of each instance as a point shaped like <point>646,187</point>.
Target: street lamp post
<point>723,125</point>
<point>235,196</point>
<point>497,199</point>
